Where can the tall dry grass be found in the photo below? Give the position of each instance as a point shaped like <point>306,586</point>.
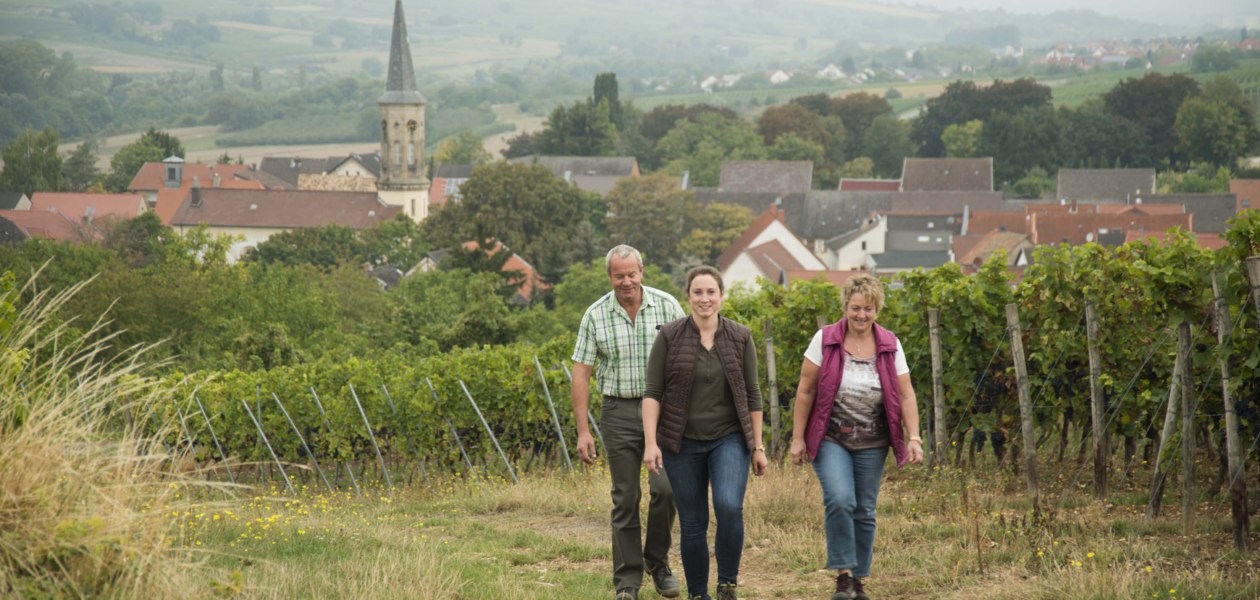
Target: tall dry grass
<point>86,496</point>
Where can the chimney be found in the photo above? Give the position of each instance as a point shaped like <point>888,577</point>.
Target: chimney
<point>686,180</point>
<point>196,192</point>
<point>215,180</point>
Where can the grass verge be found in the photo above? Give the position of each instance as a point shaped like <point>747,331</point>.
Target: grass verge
<point>947,533</point>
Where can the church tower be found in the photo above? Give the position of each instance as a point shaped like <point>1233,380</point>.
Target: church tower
<point>402,181</point>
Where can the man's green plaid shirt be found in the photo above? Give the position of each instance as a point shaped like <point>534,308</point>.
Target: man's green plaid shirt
<point>617,348</point>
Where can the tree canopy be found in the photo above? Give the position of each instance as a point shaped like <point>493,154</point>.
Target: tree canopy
<point>651,213</point>
<point>523,206</point>
<point>465,148</point>
<point>1152,103</point>
<point>964,101</point>
<point>31,163</point>
<point>699,146</point>
<point>857,111</point>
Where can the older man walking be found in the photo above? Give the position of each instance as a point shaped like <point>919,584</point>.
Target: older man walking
<point>614,340</point>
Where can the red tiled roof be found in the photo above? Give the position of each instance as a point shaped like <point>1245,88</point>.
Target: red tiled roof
<point>1071,207</point>
<point>77,206</point>
<point>980,249</point>
<point>773,259</point>
<point>1211,241</point>
<point>152,176</point>
<point>284,209</point>
<point>729,255</point>
<point>1247,192</point>
<point>529,281</point>
<point>962,244</point>
<point>870,185</point>
<point>1140,209</point>
<point>1074,228</point>
<point>837,278</point>
<point>437,191</point>
<point>169,199</point>
<point>983,221</point>
<point>47,225</point>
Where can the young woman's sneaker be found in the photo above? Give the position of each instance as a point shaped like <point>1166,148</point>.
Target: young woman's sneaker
<point>726,591</point>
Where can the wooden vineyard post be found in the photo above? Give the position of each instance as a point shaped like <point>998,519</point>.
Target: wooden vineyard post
<point>1097,414</point>
<point>939,451</point>
<point>1253,276</point>
<point>772,377</point>
<point>1170,425</point>
<point>1025,402</point>
<point>1237,487</point>
<point>1187,429</point>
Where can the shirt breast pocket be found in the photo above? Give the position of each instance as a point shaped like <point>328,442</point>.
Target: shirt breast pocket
<point>607,349</point>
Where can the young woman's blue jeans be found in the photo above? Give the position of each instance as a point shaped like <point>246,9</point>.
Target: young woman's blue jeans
<point>850,485</point>
<point>724,464</point>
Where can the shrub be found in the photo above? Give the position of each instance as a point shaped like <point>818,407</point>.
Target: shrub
<point>87,497</point>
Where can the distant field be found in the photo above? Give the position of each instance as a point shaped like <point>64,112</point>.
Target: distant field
<point>107,147</point>
<point>478,51</point>
<point>508,113</point>
<point>876,8</point>
<point>913,95</point>
<point>270,29</point>
<point>106,60</point>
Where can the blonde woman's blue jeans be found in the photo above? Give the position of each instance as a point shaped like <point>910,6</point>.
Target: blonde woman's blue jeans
<point>850,485</point>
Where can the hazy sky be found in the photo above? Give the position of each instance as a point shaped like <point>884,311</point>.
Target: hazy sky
<point>1214,12</point>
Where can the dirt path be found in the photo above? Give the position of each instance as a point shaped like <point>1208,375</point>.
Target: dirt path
<point>758,578</point>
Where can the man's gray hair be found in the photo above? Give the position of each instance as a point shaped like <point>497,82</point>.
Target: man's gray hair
<point>622,251</point>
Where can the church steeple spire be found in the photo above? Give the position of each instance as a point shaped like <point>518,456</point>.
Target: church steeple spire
<point>401,181</point>
<point>401,85</point>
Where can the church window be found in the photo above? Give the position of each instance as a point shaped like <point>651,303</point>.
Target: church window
<point>397,154</point>
<point>411,153</point>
